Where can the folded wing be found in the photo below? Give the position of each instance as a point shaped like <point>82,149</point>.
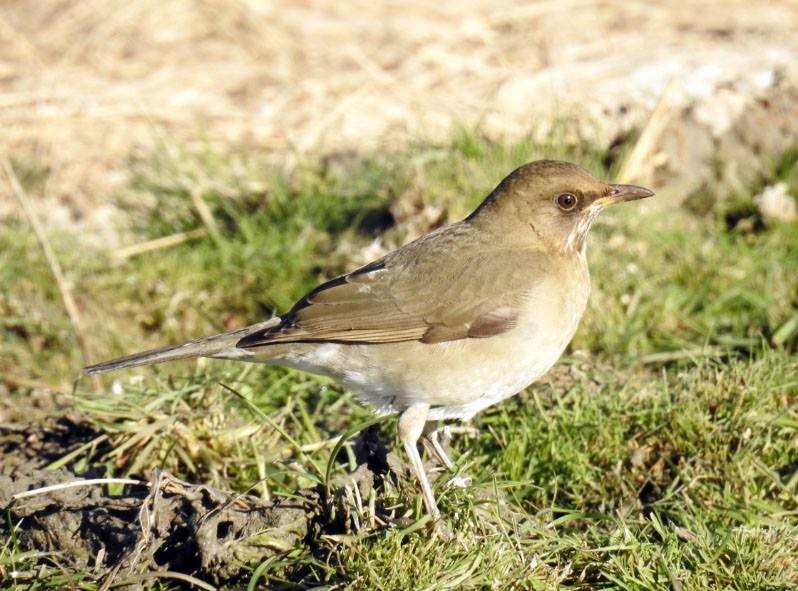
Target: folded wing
<point>426,291</point>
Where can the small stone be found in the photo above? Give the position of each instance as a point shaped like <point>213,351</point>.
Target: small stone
<point>776,204</point>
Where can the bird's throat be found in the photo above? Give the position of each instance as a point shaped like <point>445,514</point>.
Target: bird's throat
<point>577,239</point>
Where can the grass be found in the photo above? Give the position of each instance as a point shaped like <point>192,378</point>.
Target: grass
<point>661,453</point>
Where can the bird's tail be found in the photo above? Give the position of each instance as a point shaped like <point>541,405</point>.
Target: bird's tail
<point>219,345</point>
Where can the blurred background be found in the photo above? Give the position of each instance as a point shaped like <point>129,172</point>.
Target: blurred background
<point>176,168</point>
<point>86,84</point>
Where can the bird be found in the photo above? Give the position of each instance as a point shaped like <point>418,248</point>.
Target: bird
<point>449,324</point>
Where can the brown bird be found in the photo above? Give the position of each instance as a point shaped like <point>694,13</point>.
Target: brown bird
<point>449,324</point>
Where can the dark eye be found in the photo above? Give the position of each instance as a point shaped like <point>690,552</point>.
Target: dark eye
<point>566,201</point>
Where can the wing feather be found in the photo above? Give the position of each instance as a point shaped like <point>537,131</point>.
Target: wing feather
<point>426,291</point>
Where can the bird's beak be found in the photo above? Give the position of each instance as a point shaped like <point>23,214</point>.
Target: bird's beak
<point>621,193</point>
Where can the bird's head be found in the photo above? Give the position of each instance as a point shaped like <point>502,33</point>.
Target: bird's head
<point>553,202</point>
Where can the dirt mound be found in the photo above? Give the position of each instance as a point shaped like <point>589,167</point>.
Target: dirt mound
<point>164,527</point>
<point>36,445</point>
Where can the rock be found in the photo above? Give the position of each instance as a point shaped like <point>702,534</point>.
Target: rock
<point>776,205</point>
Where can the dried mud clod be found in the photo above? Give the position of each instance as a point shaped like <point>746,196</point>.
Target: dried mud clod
<point>167,524</point>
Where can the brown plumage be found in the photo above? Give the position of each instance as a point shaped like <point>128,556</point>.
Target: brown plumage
<point>383,302</point>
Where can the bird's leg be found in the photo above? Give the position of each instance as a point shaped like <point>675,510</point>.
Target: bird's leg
<point>411,426</point>
<point>431,437</point>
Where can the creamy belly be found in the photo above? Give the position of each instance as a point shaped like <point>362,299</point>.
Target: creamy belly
<point>457,378</point>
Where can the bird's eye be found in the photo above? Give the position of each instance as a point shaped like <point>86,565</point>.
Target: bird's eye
<point>566,201</point>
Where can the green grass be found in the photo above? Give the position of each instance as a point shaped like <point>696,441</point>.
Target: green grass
<point>661,453</point>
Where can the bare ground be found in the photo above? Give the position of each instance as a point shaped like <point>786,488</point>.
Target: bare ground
<point>162,527</point>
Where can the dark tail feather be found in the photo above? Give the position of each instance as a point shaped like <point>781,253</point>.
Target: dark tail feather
<point>212,346</point>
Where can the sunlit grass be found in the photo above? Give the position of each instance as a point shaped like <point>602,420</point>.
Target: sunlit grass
<point>660,454</point>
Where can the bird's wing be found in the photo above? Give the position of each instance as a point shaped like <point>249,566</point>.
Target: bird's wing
<point>428,291</point>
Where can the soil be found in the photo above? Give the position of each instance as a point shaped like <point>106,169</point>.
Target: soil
<point>163,525</point>
<point>169,525</point>
<point>36,445</point>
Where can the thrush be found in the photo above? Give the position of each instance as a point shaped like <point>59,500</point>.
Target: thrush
<point>449,324</point>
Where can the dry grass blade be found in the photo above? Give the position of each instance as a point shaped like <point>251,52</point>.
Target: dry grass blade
<point>634,167</point>
<point>205,214</point>
<point>193,581</point>
<point>120,254</point>
<point>55,267</point>
<point>86,482</point>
